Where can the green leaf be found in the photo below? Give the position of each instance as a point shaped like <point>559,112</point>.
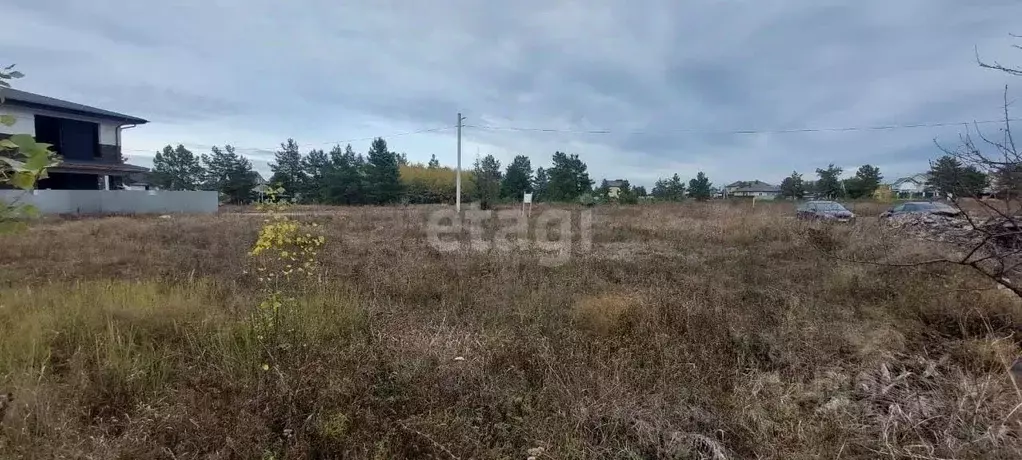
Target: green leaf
<point>30,210</point>
<point>24,141</point>
<point>23,180</point>
<point>8,120</point>
<point>38,161</point>
<point>8,144</point>
<point>15,74</point>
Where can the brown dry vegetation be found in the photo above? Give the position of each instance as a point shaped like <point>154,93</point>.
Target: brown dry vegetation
<point>689,331</point>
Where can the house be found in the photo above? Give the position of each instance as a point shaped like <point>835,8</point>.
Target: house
<point>730,189</point>
<point>914,186</point>
<point>262,186</point>
<point>614,187</point>
<point>88,139</point>
<point>756,189</point>
<point>137,181</point>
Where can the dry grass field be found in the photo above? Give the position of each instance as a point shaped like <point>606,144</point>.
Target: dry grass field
<point>687,331</point>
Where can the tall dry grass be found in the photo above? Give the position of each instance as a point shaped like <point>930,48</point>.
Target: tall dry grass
<point>689,331</point>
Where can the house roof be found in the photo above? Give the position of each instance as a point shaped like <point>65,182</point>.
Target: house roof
<point>920,178</point>
<point>38,101</point>
<point>616,183</point>
<point>747,183</point>
<point>759,187</point>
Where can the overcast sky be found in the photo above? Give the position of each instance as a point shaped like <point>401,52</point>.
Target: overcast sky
<point>670,80</point>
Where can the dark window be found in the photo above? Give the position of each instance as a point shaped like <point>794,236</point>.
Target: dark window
<point>72,139</point>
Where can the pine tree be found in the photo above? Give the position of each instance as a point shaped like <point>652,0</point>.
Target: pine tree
<point>568,178</point>
<point>948,176</point>
<point>230,174</point>
<point>829,184</point>
<point>672,189</point>
<point>700,188</point>
<point>433,163</point>
<point>866,181</point>
<point>176,169</point>
<point>343,181</point>
<point>793,186</point>
<point>540,184</point>
<point>487,178</point>
<point>383,174</point>
<point>287,169</point>
<point>315,166</point>
<point>518,178</point>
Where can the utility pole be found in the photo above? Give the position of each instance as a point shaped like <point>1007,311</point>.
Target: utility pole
<point>457,177</point>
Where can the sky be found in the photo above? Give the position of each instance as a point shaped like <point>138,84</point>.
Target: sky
<point>639,89</point>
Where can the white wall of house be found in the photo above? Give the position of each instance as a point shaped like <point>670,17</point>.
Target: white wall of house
<point>24,124</point>
<point>909,187</point>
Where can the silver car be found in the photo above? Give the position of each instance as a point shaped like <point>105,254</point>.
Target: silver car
<point>830,211</point>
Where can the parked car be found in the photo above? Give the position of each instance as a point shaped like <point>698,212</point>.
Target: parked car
<point>922,207</point>
<point>824,210</point>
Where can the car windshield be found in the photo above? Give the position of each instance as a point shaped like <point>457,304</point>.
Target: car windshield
<point>829,207</point>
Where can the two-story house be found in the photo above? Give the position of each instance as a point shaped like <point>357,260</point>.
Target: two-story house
<point>87,139</point>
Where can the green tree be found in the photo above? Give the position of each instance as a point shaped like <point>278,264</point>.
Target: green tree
<point>829,183</point>
<point>949,176</point>
<point>517,178</point>
<point>541,184</point>
<point>626,194</point>
<point>568,178</point>
<point>672,189</point>
<point>433,163</point>
<point>866,181</point>
<point>603,191</point>
<point>230,174</point>
<point>640,191</point>
<point>287,169</point>
<point>487,179</point>
<point>176,168</point>
<point>793,187</point>
<point>343,180</point>
<point>700,188</point>
<point>383,174</point>
<point>315,167</point>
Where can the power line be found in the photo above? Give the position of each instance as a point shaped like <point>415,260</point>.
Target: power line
<point>347,141</point>
<point>741,131</point>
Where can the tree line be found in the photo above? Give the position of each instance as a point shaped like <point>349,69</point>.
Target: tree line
<point>947,175</point>
<point>380,176</point>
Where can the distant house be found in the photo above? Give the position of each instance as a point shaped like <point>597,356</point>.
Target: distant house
<point>914,186</point>
<point>614,187</point>
<point>88,139</point>
<point>758,189</point>
<point>262,186</point>
<point>137,181</point>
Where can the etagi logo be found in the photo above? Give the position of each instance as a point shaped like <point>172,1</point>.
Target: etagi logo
<point>552,232</point>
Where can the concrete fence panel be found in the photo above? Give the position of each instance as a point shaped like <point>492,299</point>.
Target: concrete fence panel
<point>115,201</point>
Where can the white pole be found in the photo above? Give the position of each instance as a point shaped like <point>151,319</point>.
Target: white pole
<point>457,178</point>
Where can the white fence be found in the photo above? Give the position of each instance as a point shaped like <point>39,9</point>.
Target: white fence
<point>115,201</point>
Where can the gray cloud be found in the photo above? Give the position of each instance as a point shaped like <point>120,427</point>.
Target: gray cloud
<point>667,78</point>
